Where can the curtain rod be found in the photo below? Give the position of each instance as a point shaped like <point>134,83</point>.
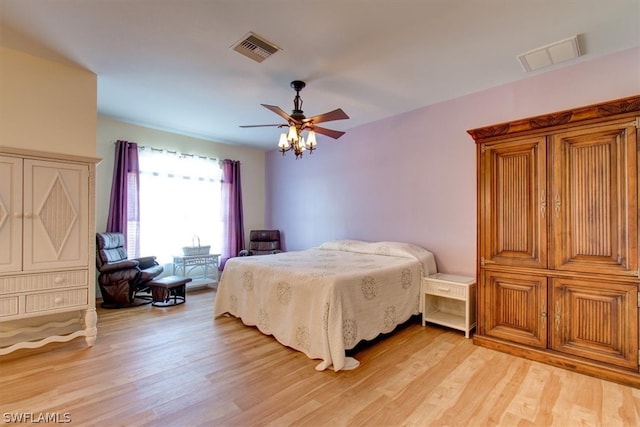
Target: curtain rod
<point>143,147</point>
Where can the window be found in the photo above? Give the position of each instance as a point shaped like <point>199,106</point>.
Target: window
<point>179,203</point>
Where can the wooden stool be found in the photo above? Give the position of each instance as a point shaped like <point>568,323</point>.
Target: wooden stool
<point>169,288</point>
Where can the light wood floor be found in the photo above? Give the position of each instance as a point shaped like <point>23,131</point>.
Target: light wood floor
<point>180,367</point>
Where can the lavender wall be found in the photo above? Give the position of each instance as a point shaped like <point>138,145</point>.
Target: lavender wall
<point>412,177</point>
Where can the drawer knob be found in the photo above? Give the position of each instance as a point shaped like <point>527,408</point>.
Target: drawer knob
<point>444,289</point>
<point>58,280</point>
<point>58,300</point>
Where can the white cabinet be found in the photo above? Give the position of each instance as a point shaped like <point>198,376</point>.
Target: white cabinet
<point>47,253</point>
<point>449,300</point>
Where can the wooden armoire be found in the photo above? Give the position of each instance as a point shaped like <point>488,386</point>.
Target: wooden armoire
<point>558,236</point>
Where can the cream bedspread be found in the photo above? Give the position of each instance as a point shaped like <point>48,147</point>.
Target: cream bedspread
<point>323,301</point>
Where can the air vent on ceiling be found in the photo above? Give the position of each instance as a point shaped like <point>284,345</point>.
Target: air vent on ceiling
<point>550,54</point>
<point>255,47</point>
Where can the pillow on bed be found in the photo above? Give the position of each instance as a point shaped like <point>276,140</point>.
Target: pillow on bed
<point>409,250</point>
<point>398,249</point>
<point>347,246</point>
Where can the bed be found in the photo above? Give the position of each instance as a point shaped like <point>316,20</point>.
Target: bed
<point>324,300</point>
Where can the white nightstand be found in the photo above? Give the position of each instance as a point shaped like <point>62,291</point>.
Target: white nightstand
<point>449,300</point>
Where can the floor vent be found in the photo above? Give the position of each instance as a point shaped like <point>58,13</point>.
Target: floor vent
<point>550,54</point>
<point>255,47</point>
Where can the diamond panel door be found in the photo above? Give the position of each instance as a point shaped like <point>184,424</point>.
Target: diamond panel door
<point>55,215</point>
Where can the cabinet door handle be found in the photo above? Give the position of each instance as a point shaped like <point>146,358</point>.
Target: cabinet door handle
<point>557,316</point>
<point>543,204</point>
<point>557,203</point>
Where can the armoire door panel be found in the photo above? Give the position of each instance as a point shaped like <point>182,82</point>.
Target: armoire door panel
<point>516,307</point>
<point>596,320</point>
<point>595,200</point>
<point>56,215</point>
<point>514,203</point>
<point>10,214</point>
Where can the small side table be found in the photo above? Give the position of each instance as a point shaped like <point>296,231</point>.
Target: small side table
<point>184,265</point>
<point>449,300</point>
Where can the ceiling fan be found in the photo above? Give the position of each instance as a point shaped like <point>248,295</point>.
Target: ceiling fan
<point>298,122</point>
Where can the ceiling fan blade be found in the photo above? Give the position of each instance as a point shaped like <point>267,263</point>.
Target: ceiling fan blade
<point>279,111</point>
<point>335,134</point>
<point>336,114</point>
<point>259,126</point>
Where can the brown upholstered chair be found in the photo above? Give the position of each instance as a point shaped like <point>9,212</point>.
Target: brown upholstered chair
<point>121,279</point>
<point>263,242</point>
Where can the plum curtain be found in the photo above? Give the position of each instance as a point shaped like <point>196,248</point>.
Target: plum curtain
<point>124,205</point>
<point>232,217</point>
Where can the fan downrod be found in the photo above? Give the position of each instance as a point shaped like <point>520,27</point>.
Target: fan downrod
<point>297,113</point>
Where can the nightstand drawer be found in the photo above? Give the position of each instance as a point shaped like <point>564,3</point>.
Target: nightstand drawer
<point>445,289</point>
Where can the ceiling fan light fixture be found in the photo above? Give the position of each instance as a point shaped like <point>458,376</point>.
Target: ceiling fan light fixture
<point>311,139</point>
<point>297,122</point>
<point>293,134</point>
<point>294,140</point>
<point>284,142</point>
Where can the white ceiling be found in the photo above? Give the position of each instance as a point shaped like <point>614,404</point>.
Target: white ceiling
<point>168,64</point>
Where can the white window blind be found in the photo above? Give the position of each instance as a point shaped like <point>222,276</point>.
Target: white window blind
<point>179,199</point>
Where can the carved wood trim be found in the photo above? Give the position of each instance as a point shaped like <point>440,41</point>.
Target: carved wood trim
<point>560,118</point>
<point>43,155</point>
